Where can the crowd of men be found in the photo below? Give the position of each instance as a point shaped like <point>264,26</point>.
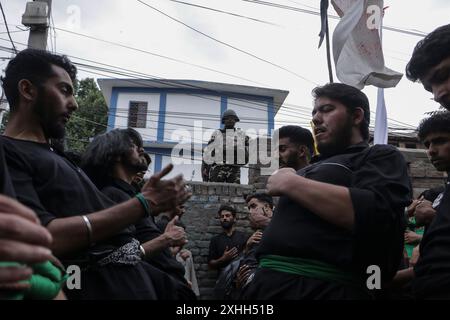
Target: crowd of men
<point>339,211</point>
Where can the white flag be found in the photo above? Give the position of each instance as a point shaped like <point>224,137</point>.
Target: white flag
<point>380,136</point>
<point>357,49</point>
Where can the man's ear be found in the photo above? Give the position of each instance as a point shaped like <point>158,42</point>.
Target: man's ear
<point>303,151</point>
<point>27,90</point>
<point>358,116</point>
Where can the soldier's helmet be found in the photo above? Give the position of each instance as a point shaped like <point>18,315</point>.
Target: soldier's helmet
<point>229,113</point>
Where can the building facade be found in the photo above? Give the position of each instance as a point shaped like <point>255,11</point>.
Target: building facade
<point>177,117</point>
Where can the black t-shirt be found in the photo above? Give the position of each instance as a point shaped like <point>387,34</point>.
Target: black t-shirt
<point>379,188</point>
<point>6,187</point>
<point>145,230</point>
<point>432,271</point>
<point>54,187</point>
<point>219,243</point>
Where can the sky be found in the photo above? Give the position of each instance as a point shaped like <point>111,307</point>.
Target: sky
<point>286,38</point>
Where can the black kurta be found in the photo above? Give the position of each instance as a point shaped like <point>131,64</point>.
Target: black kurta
<point>6,187</point>
<point>380,189</point>
<point>145,230</point>
<point>432,271</point>
<point>219,243</point>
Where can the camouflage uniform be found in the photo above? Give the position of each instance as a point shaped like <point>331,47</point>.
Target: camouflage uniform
<point>225,172</point>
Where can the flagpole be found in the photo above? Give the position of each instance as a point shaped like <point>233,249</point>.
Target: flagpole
<point>327,35</point>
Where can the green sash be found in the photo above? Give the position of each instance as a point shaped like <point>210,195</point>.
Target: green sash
<point>310,269</point>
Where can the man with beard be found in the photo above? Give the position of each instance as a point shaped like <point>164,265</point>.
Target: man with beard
<point>226,246</point>
<point>112,161</point>
<point>295,148</point>
<point>339,215</point>
<point>224,251</point>
<point>86,226</point>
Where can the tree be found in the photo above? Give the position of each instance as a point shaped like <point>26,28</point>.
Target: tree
<point>91,117</point>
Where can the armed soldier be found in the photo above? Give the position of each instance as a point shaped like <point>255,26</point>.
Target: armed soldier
<point>234,143</point>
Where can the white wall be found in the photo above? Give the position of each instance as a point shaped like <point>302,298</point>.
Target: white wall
<point>202,108</point>
<point>123,104</point>
<point>192,172</point>
<point>186,169</point>
<point>151,167</point>
<point>253,114</point>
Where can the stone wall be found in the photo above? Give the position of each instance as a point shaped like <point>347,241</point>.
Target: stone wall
<point>202,221</point>
<point>422,172</point>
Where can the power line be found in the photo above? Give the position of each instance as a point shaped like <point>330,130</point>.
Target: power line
<point>316,13</point>
<point>227,44</point>
<point>7,28</point>
<point>97,39</point>
<point>157,55</point>
<point>224,12</point>
<point>297,112</point>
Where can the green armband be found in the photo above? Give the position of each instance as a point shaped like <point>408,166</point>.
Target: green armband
<point>144,203</point>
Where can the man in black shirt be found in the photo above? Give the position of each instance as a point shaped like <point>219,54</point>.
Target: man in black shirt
<point>224,252</point>
<point>86,226</point>
<point>430,64</point>
<point>113,160</point>
<point>339,215</point>
<point>260,207</point>
<point>22,238</point>
<point>226,246</point>
<point>432,271</point>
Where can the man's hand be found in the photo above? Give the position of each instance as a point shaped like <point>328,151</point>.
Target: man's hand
<point>258,220</point>
<point>412,207</point>
<point>424,213</point>
<point>242,276</point>
<point>254,239</point>
<point>277,185</point>
<point>165,195</point>
<point>22,240</point>
<point>185,254</point>
<point>176,236</point>
<point>412,237</point>
<point>229,254</point>
<point>415,256</point>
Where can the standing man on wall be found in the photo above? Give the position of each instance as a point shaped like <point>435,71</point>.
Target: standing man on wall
<point>234,145</point>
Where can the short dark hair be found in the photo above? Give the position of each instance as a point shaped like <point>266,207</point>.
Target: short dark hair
<point>350,97</point>
<point>438,122</point>
<point>432,194</point>
<point>35,66</point>
<point>227,208</point>
<point>298,135</point>
<point>429,52</point>
<point>263,197</point>
<point>100,156</point>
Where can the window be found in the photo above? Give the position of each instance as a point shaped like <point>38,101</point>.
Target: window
<point>137,114</point>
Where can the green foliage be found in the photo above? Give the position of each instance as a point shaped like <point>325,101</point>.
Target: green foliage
<point>91,117</point>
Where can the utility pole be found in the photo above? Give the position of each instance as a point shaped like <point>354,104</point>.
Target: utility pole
<point>37,17</point>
